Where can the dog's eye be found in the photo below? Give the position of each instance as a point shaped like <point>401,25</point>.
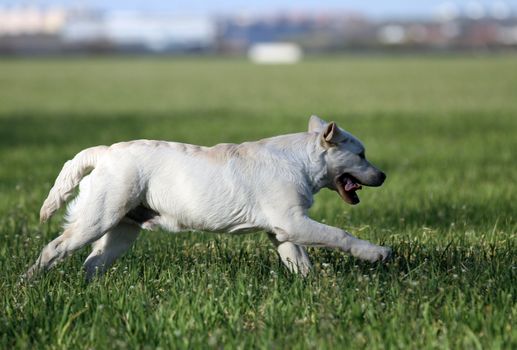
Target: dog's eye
<point>361,154</point>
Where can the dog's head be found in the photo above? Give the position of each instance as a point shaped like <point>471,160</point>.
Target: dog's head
<point>346,162</point>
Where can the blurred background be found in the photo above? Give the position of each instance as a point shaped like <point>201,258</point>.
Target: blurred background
<point>430,87</point>
<point>237,27</point>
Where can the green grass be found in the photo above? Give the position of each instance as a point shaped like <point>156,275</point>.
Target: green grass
<point>444,129</point>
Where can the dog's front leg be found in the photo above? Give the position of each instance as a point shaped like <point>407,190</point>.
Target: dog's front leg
<point>302,230</point>
<point>293,256</point>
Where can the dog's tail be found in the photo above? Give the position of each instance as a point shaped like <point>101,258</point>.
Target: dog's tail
<point>68,179</point>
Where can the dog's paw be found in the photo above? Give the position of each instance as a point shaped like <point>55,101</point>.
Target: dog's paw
<point>385,254</point>
<point>372,253</point>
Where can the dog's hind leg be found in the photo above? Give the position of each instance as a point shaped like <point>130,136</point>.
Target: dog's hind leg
<point>293,256</point>
<point>91,216</point>
<point>49,256</point>
<point>109,247</point>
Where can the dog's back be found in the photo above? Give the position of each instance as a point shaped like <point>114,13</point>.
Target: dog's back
<point>217,188</point>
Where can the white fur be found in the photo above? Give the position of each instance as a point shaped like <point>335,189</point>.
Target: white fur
<point>267,185</point>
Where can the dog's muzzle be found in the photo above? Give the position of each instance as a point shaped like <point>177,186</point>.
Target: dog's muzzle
<point>347,185</point>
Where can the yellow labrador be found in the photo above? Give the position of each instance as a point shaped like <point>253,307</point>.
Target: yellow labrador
<point>267,185</point>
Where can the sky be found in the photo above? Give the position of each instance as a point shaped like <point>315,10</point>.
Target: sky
<point>372,8</point>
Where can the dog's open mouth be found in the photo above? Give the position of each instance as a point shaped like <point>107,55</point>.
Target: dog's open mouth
<point>346,186</point>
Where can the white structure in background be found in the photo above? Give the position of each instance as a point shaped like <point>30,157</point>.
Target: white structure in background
<point>392,34</point>
<point>30,20</point>
<point>157,32</point>
<point>275,53</point>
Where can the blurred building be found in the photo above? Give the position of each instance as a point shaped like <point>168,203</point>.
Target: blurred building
<point>41,30</point>
<point>33,30</point>
<point>28,29</point>
<point>137,32</point>
<point>352,32</point>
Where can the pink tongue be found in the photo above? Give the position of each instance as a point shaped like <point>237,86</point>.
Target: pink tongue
<point>350,185</point>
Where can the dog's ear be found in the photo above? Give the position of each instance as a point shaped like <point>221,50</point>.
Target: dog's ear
<point>316,124</point>
<point>332,135</point>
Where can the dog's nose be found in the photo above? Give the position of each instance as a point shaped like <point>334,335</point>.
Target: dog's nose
<point>382,177</point>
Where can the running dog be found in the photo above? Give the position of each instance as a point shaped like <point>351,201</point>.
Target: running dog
<point>266,185</point>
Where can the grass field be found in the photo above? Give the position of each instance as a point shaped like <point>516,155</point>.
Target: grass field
<point>444,129</point>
